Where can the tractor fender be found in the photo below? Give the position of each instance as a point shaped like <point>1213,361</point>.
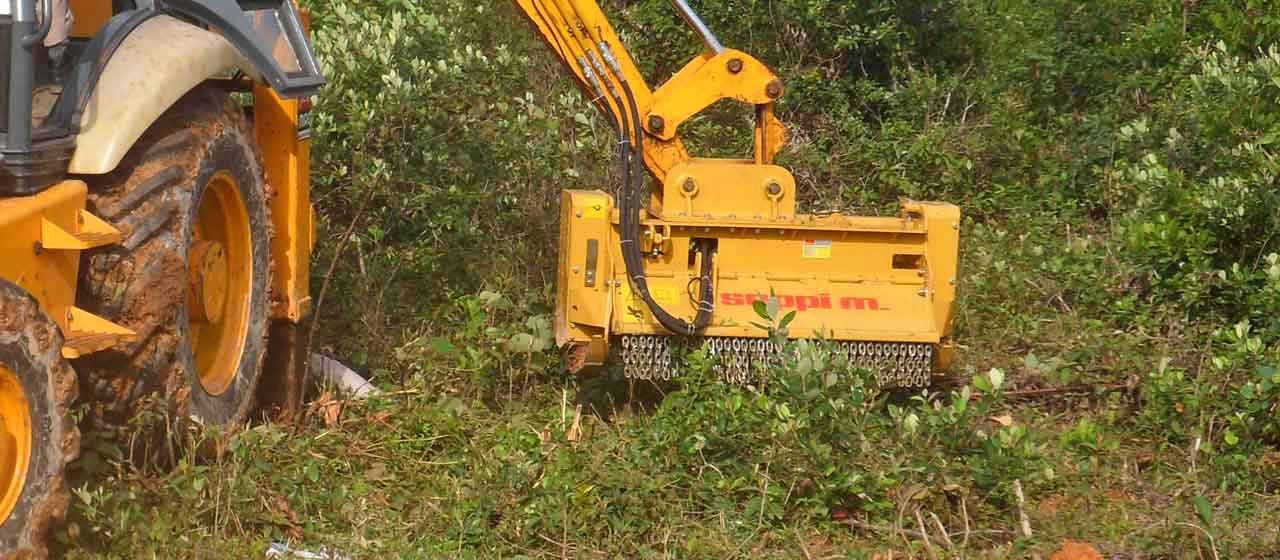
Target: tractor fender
<point>155,65</point>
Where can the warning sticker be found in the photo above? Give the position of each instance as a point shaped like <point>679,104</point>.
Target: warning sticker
<point>666,296</point>
<point>304,126</point>
<point>633,308</point>
<point>817,248</point>
<point>663,295</point>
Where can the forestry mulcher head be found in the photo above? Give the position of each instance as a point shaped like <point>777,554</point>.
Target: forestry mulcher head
<point>686,246</point>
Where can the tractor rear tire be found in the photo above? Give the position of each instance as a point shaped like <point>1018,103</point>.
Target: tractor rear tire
<point>192,275</point>
<point>38,437</point>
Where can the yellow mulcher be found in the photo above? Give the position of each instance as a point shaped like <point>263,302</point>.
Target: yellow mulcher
<point>687,246</point>
<point>154,234</point>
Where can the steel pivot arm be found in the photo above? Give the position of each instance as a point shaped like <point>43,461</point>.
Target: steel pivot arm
<point>585,42</point>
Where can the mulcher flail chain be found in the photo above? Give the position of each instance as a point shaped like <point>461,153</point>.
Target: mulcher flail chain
<point>740,359</point>
<point>648,357</point>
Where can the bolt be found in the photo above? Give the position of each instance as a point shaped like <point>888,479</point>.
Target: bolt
<point>657,123</point>
<point>773,188</point>
<point>735,65</point>
<point>774,89</point>
<point>689,186</point>
<point>38,248</point>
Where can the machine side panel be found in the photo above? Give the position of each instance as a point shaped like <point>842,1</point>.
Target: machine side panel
<point>585,258</point>
<point>286,153</point>
<point>849,284</point>
<point>583,295</point>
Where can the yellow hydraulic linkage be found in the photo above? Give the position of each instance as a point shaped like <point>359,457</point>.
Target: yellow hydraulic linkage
<point>688,245</point>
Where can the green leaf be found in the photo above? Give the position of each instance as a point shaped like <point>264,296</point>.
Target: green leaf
<point>522,342</point>
<point>1268,372</point>
<point>804,365</point>
<point>1270,138</point>
<point>443,346</point>
<point>997,378</point>
<point>786,320</point>
<point>983,384</point>
<point>1231,438</point>
<point>1203,508</point>
<point>761,309</point>
<point>911,423</point>
<point>773,307</point>
<point>1031,361</point>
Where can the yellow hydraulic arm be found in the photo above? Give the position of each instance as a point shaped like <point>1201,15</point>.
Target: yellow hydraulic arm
<point>581,36</point>
<point>647,122</point>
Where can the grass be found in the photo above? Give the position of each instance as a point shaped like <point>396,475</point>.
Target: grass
<point>1115,382</point>
<point>440,469</point>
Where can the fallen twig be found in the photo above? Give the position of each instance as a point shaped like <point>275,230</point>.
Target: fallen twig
<point>924,532</point>
<point>942,530</point>
<point>1213,546</point>
<point>911,532</point>
<point>1075,388</point>
<point>881,528</point>
<point>1023,520</point>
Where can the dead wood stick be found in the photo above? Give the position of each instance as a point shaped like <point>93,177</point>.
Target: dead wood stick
<point>928,546</point>
<point>1023,520</point>
<point>1077,388</point>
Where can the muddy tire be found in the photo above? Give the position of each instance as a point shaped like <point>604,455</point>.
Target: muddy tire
<point>38,437</point>
<point>191,276</point>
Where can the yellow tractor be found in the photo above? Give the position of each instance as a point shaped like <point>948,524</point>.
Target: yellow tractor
<point>155,222</point>
<point>687,248</point>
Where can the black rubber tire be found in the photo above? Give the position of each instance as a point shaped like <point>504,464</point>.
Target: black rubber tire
<point>152,197</point>
<point>31,347</point>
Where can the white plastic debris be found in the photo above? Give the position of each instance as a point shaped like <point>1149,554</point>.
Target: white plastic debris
<point>282,550</point>
<point>331,372</point>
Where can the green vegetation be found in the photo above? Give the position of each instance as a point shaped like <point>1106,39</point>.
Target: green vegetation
<point>1117,161</point>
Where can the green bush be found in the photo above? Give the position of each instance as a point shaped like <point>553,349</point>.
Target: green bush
<point>1204,193</point>
<point>454,136</point>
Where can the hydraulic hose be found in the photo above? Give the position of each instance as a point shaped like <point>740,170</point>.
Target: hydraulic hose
<point>630,140</point>
<point>634,260</point>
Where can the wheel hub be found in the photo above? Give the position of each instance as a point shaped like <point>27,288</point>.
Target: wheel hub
<point>219,275</point>
<point>207,281</point>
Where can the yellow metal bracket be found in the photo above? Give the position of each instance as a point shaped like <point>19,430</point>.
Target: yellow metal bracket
<point>40,252</point>
<point>87,333</point>
<point>90,232</point>
<point>705,80</point>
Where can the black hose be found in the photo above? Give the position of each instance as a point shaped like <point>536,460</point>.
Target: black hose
<point>634,261</point>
